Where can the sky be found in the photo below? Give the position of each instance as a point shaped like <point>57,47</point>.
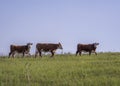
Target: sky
<point>66,21</point>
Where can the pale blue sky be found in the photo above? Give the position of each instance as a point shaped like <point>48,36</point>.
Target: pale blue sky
<point>66,21</point>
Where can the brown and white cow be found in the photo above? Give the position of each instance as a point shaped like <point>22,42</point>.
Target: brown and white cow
<point>24,49</point>
<point>87,48</point>
<point>47,47</point>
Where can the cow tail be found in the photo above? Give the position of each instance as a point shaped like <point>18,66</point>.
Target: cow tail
<point>36,51</point>
<point>77,46</point>
<point>11,47</point>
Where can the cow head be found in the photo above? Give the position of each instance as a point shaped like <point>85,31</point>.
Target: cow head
<point>95,44</point>
<point>29,45</point>
<point>60,46</point>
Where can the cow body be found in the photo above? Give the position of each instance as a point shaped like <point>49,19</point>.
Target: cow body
<point>87,48</point>
<point>47,47</point>
<point>24,49</point>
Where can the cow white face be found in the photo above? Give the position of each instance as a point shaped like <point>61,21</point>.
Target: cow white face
<point>96,44</point>
<point>29,45</point>
<point>60,46</point>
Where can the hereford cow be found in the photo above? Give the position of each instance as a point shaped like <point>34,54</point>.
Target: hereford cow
<point>24,49</point>
<point>87,48</point>
<point>47,47</point>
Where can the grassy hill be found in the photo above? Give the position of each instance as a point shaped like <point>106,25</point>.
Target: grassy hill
<point>62,70</point>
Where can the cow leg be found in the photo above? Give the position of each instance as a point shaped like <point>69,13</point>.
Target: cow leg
<point>89,53</point>
<point>77,52</point>
<point>80,53</point>
<point>23,54</point>
<point>13,54</point>
<point>29,54</point>
<point>52,53</point>
<point>36,53</point>
<point>40,54</point>
<point>95,53</point>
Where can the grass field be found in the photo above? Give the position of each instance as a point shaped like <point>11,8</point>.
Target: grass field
<point>62,70</point>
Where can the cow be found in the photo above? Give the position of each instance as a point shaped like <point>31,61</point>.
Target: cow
<point>24,49</point>
<point>47,47</point>
<point>87,48</point>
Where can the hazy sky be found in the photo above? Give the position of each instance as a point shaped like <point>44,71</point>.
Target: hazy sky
<point>66,21</point>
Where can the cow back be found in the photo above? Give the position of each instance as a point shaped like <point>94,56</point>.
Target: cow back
<point>19,49</point>
<point>46,47</point>
<point>86,47</point>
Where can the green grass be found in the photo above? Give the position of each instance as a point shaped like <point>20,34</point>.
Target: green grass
<point>62,70</point>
